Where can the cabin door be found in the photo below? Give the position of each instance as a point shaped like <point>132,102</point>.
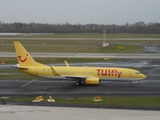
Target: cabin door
<point>36,71</point>
<point>130,74</point>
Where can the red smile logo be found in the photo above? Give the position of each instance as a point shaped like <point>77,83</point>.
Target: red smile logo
<point>20,59</point>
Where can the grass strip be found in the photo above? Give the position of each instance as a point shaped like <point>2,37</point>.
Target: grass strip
<point>139,101</point>
<point>75,48</point>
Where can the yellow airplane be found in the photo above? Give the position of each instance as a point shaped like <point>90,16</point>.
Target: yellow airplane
<point>87,75</point>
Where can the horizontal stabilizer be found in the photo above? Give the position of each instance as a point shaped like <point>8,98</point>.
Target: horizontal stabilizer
<point>19,67</point>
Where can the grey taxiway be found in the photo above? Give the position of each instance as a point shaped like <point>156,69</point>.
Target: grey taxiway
<point>86,55</point>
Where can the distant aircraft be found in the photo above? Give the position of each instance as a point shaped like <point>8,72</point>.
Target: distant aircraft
<point>87,75</point>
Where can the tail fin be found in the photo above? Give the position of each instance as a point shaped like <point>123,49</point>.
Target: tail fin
<point>24,58</point>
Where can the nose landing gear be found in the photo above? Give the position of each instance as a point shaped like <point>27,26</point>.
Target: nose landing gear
<point>132,83</point>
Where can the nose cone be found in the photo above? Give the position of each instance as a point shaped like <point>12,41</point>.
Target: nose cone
<point>143,76</point>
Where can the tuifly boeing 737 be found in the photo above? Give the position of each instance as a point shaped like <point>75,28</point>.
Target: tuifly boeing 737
<point>87,75</point>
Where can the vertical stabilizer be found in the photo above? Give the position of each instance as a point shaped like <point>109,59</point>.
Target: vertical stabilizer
<point>24,58</point>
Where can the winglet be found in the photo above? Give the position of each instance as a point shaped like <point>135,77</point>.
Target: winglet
<point>67,65</point>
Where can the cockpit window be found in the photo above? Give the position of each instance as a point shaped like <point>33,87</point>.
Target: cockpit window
<point>138,73</point>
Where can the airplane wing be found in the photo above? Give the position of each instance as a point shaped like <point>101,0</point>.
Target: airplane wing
<point>67,76</point>
<point>74,77</point>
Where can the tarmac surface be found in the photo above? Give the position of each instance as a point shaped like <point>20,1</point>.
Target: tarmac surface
<point>26,88</point>
<point>87,55</point>
<point>12,112</point>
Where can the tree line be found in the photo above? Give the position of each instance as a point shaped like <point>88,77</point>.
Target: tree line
<point>139,27</point>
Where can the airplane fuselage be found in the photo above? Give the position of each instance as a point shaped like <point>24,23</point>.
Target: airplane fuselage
<point>110,73</point>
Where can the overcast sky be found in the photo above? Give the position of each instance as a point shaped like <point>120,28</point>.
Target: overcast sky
<point>80,11</point>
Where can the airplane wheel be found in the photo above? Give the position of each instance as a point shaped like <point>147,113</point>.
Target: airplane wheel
<point>78,83</point>
<point>131,84</point>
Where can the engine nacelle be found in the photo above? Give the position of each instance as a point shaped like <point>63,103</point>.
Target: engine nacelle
<point>93,80</point>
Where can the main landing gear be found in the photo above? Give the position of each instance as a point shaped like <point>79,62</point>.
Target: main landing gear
<point>78,83</point>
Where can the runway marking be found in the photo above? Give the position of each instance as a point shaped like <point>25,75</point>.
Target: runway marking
<point>27,84</point>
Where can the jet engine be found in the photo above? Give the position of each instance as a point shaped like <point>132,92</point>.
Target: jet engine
<point>91,81</point>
